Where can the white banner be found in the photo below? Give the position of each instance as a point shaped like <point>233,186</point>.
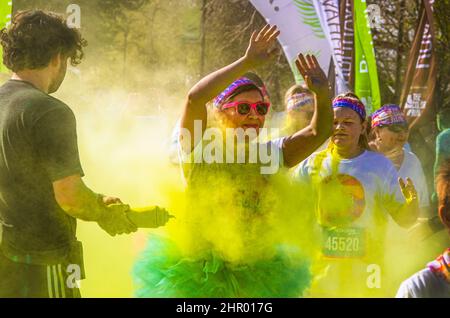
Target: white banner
<point>300,29</point>
<point>328,13</point>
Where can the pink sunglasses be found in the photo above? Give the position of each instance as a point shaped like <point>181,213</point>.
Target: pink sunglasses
<point>243,108</point>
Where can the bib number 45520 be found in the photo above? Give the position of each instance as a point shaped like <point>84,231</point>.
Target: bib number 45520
<point>343,242</point>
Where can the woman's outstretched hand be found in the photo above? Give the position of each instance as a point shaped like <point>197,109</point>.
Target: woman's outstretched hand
<point>314,76</point>
<point>261,46</point>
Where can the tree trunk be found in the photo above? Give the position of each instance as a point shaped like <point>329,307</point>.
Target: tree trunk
<point>203,39</point>
<point>400,49</point>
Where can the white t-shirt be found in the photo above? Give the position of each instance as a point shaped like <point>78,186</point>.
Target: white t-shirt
<point>353,232</point>
<point>424,284</point>
<point>371,174</point>
<point>268,155</point>
<point>272,150</point>
<point>412,168</point>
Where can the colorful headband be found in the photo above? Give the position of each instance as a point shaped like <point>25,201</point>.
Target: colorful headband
<point>352,103</point>
<point>243,81</point>
<point>264,92</point>
<point>299,100</point>
<point>390,114</point>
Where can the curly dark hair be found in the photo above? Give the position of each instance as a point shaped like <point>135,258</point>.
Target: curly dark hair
<point>35,37</point>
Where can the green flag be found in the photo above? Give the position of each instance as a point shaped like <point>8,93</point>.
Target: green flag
<point>366,76</point>
<point>5,18</point>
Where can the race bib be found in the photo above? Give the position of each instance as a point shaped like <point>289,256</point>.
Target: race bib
<point>344,242</point>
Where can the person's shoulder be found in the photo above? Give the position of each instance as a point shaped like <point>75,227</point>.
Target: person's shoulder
<point>412,159</point>
<point>377,164</point>
<point>31,103</point>
<point>34,100</point>
<point>414,286</point>
<point>306,165</point>
<point>420,285</point>
<point>55,104</point>
<point>412,168</point>
<point>44,101</point>
<point>47,105</point>
<point>424,277</point>
<point>314,155</point>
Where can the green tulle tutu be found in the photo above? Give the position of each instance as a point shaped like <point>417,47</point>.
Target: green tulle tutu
<point>163,272</point>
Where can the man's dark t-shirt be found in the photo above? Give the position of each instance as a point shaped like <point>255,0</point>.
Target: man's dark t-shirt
<point>38,145</point>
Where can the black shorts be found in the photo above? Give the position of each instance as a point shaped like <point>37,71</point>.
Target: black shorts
<point>18,280</point>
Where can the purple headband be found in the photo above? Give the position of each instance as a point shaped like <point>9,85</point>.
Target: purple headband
<point>243,81</point>
<point>299,100</point>
<point>390,114</point>
<point>352,103</point>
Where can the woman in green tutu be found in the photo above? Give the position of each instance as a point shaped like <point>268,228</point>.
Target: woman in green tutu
<point>233,239</point>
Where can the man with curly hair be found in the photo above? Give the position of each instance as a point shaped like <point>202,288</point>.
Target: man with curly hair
<point>41,188</point>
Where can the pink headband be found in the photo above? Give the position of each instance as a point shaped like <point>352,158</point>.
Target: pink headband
<point>351,103</point>
<point>243,81</point>
<point>299,100</point>
<point>388,115</point>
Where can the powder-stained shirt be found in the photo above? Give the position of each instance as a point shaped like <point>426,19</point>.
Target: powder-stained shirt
<point>38,145</point>
<point>234,195</point>
<point>369,179</point>
<point>354,197</point>
<point>424,284</point>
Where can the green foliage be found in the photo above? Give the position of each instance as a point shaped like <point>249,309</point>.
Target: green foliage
<point>308,12</point>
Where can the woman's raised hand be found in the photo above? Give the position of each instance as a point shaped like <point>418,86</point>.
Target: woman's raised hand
<point>261,46</point>
<point>314,76</point>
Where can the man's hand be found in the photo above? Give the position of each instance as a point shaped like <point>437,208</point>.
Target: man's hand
<point>115,221</point>
<point>110,200</point>
<point>261,45</point>
<point>152,217</point>
<point>314,76</point>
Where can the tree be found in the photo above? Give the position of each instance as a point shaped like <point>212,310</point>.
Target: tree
<point>392,46</point>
